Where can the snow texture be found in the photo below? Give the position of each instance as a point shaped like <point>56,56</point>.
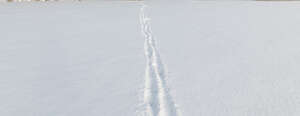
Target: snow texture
<point>133,58</point>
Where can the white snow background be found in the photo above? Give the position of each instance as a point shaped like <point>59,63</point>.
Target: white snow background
<point>101,58</point>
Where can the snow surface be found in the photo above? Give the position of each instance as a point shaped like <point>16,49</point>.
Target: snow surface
<point>70,59</point>
<point>155,59</point>
<point>231,58</point>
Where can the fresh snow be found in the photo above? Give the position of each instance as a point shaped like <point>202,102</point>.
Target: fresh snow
<point>101,58</point>
<point>231,58</point>
<point>70,59</point>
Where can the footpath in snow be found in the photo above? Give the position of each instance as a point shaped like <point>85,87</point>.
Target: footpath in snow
<point>96,58</point>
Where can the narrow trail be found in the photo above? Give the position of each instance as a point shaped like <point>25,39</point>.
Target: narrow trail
<point>157,100</point>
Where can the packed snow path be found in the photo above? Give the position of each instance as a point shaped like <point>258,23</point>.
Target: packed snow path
<point>157,100</point>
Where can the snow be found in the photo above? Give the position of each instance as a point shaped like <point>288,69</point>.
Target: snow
<point>100,58</point>
<point>231,59</point>
<point>70,59</point>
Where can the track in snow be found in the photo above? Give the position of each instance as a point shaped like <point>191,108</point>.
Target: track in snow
<point>157,100</point>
